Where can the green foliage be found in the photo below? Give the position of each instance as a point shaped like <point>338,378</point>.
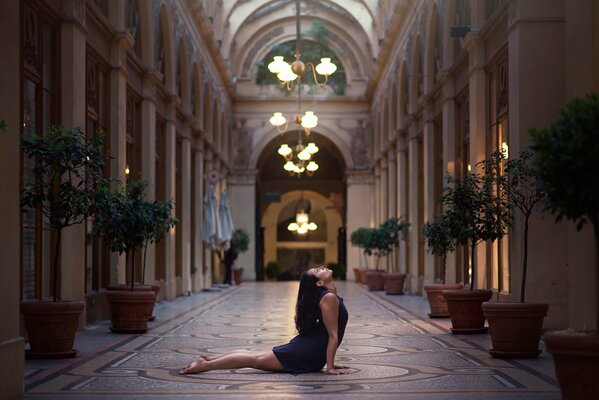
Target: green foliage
<point>566,160</point>
<point>382,240</point>
<point>364,239</point>
<point>476,211</point>
<point>67,172</point>
<point>438,234</point>
<point>129,221</point>
<point>272,269</point>
<point>240,240</point>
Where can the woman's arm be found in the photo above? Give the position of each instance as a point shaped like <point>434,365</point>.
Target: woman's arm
<point>329,307</point>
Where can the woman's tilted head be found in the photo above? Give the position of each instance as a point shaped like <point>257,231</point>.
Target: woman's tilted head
<point>306,315</point>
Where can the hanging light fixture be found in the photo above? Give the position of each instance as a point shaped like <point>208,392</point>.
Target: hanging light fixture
<point>287,73</point>
<point>302,224</point>
<point>299,158</point>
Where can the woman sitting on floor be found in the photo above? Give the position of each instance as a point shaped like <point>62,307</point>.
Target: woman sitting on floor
<point>320,320</point>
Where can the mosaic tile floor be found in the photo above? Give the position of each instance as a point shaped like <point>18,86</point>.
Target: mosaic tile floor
<point>394,350</point>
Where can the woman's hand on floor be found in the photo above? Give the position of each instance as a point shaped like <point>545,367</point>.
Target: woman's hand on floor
<point>337,371</point>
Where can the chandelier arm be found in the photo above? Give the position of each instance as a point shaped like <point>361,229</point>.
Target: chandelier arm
<point>311,66</point>
<point>284,129</point>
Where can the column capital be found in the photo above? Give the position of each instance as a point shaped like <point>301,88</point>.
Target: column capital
<point>245,177</point>
<point>358,177</point>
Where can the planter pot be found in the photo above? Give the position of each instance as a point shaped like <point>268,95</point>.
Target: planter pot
<point>576,356</point>
<point>375,280</point>
<point>130,311</point>
<point>238,275</point>
<point>363,272</point>
<point>394,283</point>
<point>465,310</point>
<point>358,275</point>
<point>434,294</point>
<point>51,327</point>
<point>139,288</point>
<point>515,328</point>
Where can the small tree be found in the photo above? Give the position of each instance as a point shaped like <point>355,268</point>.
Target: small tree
<point>524,193</point>
<point>566,160</point>
<point>240,241</point>
<point>129,221</point>
<point>438,234</point>
<point>478,213</point>
<point>390,232</point>
<point>67,172</point>
<point>363,239</point>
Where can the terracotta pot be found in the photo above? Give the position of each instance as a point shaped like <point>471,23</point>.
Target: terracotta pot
<point>375,280</point>
<point>515,328</point>
<point>434,294</point>
<point>363,272</point>
<point>394,283</point>
<point>358,274</point>
<point>129,311</point>
<point>576,356</point>
<point>139,288</point>
<point>238,275</point>
<point>51,327</point>
<point>465,310</point>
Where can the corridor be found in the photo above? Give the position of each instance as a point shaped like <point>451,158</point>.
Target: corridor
<point>395,351</point>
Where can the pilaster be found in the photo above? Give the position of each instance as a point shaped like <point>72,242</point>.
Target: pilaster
<point>198,187</point>
<point>359,213</point>
<point>429,200</point>
<point>241,187</point>
<point>185,203</point>
<point>171,194</point>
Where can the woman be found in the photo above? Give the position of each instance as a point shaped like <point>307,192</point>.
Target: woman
<point>320,319</point>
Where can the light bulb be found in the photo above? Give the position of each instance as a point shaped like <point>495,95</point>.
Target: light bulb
<point>284,150</point>
<point>277,119</point>
<point>326,67</point>
<point>276,65</point>
<point>292,227</point>
<point>286,74</point>
<point>289,166</point>
<point>312,226</point>
<point>312,148</point>
<point>301,218</point>
<point>304,155</point>
<point>312,166</point>
<point>309,120</point>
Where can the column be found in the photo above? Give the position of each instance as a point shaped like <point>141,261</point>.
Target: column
<point>376,196</point>
<point>359,206</point>
<point>148,158</point>
<point>392,199</point>
<point>402,197</point>
<point>414,203</point>
<point>73,116</point>
<point>477,93</point>
<point>384,189</point>
<point>118,130</point>
<point>428,138</point>
<point>449,150</point>
<point>12,353</point>
<point>198,187</point>
<point>185,203</point>
<point>242,196</point>
<point>207,248</point>
<point>171,193</point>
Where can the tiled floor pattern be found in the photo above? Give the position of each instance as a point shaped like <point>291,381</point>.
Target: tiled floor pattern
<point>394,352</point>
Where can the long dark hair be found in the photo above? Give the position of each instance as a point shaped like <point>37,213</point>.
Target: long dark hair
<point>306,314</point>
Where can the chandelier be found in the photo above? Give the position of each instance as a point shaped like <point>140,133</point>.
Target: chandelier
<point>302,223</point>
<point>287,73</point>
<point>299,158</point>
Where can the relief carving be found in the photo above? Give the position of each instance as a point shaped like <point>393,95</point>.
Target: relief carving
<point>359,146</point>
<point>242,145</point>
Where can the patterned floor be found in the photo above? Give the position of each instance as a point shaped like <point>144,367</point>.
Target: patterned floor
<point>394,351</point>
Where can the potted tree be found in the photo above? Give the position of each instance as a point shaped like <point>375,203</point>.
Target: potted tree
<point>129,221</point>
<point>439,241</point>
<point>362,238</point>
<point>566,159</point>
<point>515,327</point>
<point>395,229</point>
<point>478,215</point>
<point>68,169</point>
<point>240,243</point>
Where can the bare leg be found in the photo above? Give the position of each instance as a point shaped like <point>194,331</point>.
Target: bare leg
<point>266,361</point>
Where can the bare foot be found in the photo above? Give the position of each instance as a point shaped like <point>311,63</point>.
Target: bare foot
<point>195,367</point>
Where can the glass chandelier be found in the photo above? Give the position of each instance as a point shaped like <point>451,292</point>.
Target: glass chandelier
<point>299,158</point>
<point>287,73</point>
<point>302,223</point>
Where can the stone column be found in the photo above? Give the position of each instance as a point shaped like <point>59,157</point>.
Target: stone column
<point>242,197</point>
<point>198,187</point>
<point>359,208</point>
<point>118,130</point>
<point>148,158</point>
<point>477,94</point>
<point>392,198</point>
<point>402,196</point>
<point>384,189</point>
<point>414,203</point>
<point>376,196</point>
<point>171,193</point>
<point>429,200</point>
<point>449,151</point>
<point>208,166</point>
<point>185,223</point>
<point>12,353</point>
<point>73,116</point>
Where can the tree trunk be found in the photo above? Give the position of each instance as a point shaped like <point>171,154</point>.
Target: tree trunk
<point>473,265</point>
<point>56,267</point>
<point>132,269</point>
<point>524,259</point>
<point>443,267</point>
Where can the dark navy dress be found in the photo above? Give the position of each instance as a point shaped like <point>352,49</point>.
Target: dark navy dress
<point>308,352</point>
